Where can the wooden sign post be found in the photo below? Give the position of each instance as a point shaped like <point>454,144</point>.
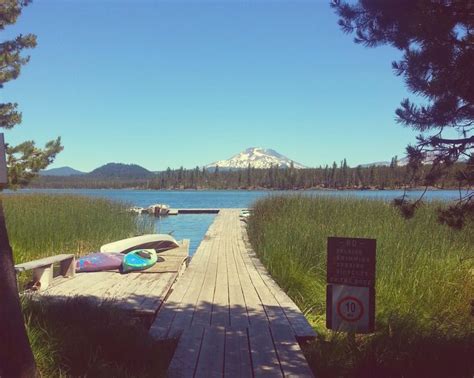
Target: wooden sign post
<point>3,163</point>
<point>350,292</point>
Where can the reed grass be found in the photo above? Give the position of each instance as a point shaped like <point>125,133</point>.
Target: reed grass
<point>77,338</point>
<point>424,283</point>
<point>42,225</point>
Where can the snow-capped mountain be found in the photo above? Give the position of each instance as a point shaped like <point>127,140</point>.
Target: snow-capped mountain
<point>257,157</point>
<point>429,157</point>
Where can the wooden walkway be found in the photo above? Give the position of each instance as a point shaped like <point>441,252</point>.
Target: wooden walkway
<point>231,317</point>
<point>140,292</point>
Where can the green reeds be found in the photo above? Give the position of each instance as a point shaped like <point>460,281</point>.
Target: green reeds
<point>42,225</point>
<point>77,338</point>
<point>424,282</point>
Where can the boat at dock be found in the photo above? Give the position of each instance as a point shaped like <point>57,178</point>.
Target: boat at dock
<point>159,242</point>
<point>139,294</point>
<point>158,209</point>
<point>139,259</point>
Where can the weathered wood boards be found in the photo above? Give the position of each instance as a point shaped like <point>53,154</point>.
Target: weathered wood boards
<point>233,318</point>
<point>139,292</point>
<point>42,269</point>
<point>197,211</point>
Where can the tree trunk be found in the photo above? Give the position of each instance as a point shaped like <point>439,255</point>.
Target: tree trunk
<point>16,357</point>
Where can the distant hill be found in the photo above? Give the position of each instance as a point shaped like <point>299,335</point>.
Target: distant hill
<point>376,164</point>
<point>257,157</point>
<point>119,170</point>
<point>429,157</point>
<point>61,171</point>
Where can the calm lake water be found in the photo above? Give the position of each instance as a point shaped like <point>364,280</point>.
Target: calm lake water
<point>192,226</point>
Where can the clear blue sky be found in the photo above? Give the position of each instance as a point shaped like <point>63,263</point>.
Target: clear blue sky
<point>175,83</point>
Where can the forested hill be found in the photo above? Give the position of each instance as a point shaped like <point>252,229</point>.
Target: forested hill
<point>119,171</point>
<point>334,177</point>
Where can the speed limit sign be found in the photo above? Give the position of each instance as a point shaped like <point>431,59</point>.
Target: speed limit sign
<point>350,308</point>
<point>350,301</point>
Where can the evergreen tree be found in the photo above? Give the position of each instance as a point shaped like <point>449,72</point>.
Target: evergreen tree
<point>333,175</point>
<point>249,176</point>
<point>344,173</point>
<point>326,176</point>
<point>24,162</point>
<point>437,41</point>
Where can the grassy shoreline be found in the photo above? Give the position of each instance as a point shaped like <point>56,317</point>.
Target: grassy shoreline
<point>42,225</point>
<point>76,338</point>
<point>424,286</point>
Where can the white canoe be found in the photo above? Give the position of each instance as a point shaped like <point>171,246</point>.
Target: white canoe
<point>150,241</point>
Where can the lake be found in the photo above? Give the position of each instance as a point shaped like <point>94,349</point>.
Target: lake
<point>229,198</point>
<point>194,226</point>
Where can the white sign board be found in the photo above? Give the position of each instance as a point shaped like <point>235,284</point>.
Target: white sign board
<point>350,308</point>
<point>3,162</point>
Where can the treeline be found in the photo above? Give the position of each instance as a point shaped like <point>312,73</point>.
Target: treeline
<point>331,177</point>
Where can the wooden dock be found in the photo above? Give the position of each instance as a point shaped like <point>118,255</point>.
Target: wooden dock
<point>231,318</point>
<point>141,292</point>
<point>193,211</point>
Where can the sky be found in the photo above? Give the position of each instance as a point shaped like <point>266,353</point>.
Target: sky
<point>185,83</point>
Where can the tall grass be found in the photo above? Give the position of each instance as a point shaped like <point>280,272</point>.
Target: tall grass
<point>41,225</point>
<point>76,338</point>
<point>423,289</point>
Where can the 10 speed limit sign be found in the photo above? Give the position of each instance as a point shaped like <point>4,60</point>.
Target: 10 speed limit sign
<point>350,301</point>
<point>350,308</point>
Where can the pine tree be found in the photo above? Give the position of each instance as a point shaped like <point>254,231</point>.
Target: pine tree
<point>437,41</point>
<point>333,182</point>
<point>249,176</point>
<point>24,162</point>
<point>344,173</point>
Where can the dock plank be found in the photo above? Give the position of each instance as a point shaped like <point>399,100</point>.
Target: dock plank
<point>237,354</point>
<point>186,356</point>
<point>203,309</point>
<point>211,357</point>
<point>265,361</point>
<point>292,361</point>
<point>249,326</point>
<point>300,325</point>
<point>161,326</point>
<point>187,306</point>
<point>220,305</point>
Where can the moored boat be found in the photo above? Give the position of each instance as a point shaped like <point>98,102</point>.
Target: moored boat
<point>159,242</point>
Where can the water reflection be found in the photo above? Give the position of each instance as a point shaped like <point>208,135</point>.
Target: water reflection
<point>186,226</point>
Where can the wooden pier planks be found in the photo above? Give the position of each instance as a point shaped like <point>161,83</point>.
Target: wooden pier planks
<point>178,304</point>
<point>233,318</point>
<point>137,292</point>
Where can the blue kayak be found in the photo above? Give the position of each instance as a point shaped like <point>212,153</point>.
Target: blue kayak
<point>139,259</point>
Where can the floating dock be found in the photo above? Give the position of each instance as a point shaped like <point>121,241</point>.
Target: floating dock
<point>160,210</point>
<point>230,316</point>
<point>196,211</point>
<point>141,292</point>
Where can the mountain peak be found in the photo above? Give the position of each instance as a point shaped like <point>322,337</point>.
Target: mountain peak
<point>61,171</point>
<point>257,157</point>
<point>112,170</point>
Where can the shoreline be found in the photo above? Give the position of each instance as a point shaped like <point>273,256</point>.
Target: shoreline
<point>256,189</point>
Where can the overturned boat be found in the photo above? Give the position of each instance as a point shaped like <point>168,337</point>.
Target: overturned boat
<point>158,242</point>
